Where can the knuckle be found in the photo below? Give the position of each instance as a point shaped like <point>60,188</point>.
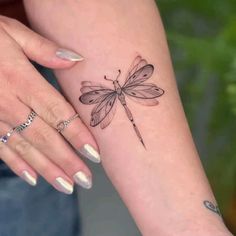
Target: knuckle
<point>28,99</point>
<point>12,74</point>
<point>7,105</point>
<point>40,137</point>
<point>8,71</point>
<point>40,43</point>
<point>22,147</point>
<point>54,112</point>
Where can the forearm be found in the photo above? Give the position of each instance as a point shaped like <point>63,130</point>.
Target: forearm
<point>164,185</point>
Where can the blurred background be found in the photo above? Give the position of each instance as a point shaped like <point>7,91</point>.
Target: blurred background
<point>202,40</point>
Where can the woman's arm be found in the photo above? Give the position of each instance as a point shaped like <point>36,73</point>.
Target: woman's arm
<point>163,184</point>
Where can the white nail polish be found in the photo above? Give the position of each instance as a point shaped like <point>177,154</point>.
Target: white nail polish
<point>68,55</point>
<point>28,178</point>
<point>89,152</point>
<point>63,185</point>
<point>83,180</point>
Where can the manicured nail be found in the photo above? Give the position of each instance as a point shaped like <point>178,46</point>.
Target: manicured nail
<point>83,180</point>
<point>89,152</point>
<point>68,55</point>
<point>63,185</point>
<point>28,178</point>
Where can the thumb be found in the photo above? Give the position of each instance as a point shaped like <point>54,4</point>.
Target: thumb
<point>38,48</point>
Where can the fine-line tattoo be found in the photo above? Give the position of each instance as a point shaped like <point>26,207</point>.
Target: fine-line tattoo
<point>134,88</point>
<point>210,206</point>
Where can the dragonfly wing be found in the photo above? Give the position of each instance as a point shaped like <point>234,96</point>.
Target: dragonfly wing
<point>87,86</point>
<point>145,102</point>
<point>140,75</point>
<point>100,112</point>
<point>145,94</point>
<point>107,120</point>
<point>93,93</point>
<point>138,63</point>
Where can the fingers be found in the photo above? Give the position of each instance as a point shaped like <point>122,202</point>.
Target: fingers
<point>53,146</point>
<point>21,156</point>
<point>52,107</point>
<point>81,139</point>
<point>40,96</point>
<point>15,163</point>
<point>38,48</point>
<point>40,149</point>
<point>54,175</point>
<point>50,143</point>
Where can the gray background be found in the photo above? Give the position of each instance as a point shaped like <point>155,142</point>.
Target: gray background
<point>102,211</point>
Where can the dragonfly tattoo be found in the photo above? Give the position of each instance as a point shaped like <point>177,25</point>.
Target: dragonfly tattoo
<point>134,88</point>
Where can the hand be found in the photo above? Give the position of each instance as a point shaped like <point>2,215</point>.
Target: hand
<point>39,148</point>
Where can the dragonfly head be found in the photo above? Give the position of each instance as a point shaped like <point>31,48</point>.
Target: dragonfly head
<point>113,81</point>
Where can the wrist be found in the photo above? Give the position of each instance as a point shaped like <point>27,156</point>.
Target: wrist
<point>211,230</point>
<point>193,227</point>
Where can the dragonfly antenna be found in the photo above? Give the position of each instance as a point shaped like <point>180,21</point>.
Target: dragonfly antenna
<point>119,72</point>
<point>105,77</point>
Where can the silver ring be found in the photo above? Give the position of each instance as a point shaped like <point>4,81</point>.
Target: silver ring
<point>19,128</point>
<point>23,126</point>
<point>63,124</point>
<point>5,137</point>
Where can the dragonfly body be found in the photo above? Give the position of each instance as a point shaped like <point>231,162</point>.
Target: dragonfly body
<point>121,97</point>
<point>134,88</point>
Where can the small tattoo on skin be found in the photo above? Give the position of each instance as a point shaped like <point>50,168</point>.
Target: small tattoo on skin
<point>210,206</point>
<point>134,88</point>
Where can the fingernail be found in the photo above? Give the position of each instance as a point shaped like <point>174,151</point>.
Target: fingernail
<point>68,55</point>
<point>83,180</point>
<point>89,152</point>
<point>28,178</point>
<point>63,185</point>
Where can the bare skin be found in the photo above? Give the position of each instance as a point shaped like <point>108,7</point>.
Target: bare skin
<point>164,185</point>
<point>39,149</point>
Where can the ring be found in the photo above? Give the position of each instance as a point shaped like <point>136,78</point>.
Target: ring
<point>23,126</point>
<point>19,128</point>
<point>5,137</point>
<point>63,124</point>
